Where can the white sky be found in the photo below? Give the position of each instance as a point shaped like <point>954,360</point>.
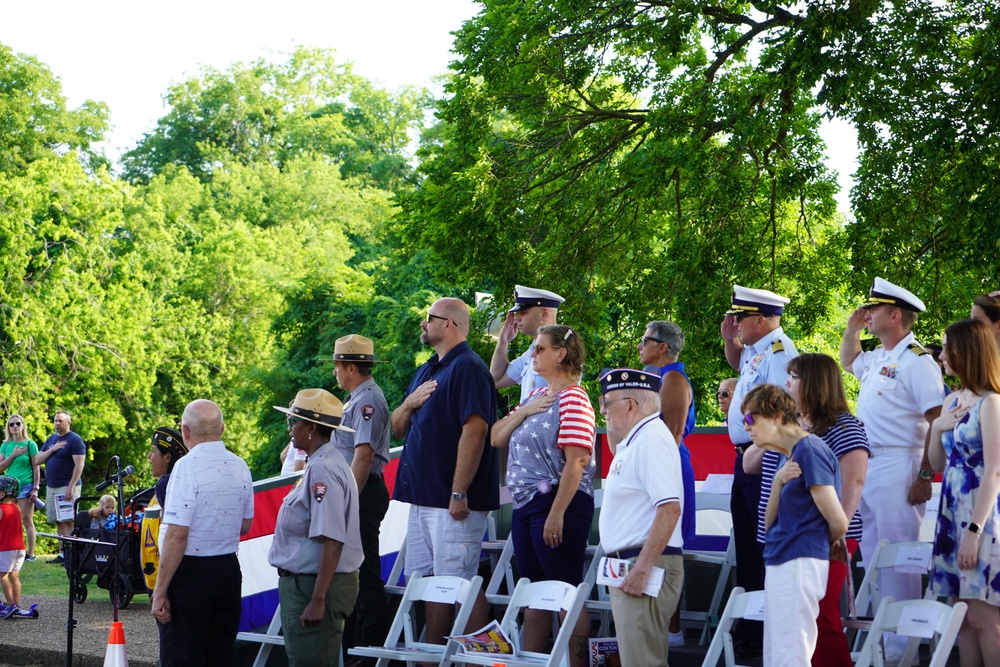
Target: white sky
<point>126,54</point>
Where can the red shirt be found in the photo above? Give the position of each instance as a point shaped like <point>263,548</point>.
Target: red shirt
<point>11,532</point>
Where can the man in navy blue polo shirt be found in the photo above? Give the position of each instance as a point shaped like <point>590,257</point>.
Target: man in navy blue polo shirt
<point>447,473</point>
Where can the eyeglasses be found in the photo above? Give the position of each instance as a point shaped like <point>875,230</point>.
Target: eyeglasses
<point>646,340</point>
<point>605,404</point>
<point>748,419</point>
<point>725,393</point>
<point>435,317</point>
<point>15,424</point>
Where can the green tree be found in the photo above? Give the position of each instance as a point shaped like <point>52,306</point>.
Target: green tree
<point>265,112</point>
<point>34,120</point>
<point>637,158</point>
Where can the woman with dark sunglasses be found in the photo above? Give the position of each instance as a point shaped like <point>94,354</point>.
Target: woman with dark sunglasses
<point>17,458</point>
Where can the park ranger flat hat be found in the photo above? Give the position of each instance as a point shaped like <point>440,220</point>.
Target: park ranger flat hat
<point>529,297</point>
<point>884,292</point>
<point>629,378</point>
<point>317,405</point>
<point>756,302</point>
<point>355,348</point>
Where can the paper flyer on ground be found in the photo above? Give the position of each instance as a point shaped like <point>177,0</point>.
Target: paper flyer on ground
<point>600,649</point>
<point>488,640</point>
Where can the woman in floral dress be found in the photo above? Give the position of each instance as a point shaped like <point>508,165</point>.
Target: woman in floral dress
<point>965,444</point>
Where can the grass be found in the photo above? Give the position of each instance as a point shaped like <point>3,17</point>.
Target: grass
<point>40,578</point>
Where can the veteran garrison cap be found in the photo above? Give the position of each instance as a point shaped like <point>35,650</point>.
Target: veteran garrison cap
<point>169,439</point>
<point>884,292</point>
<point>529,297</point>
<point>756,302</point>
<point>629,378</point>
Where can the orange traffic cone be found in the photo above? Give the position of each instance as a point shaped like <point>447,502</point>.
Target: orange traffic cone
<point>115,657</point>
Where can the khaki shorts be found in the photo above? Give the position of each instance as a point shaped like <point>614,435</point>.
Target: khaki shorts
<point>50,499</point>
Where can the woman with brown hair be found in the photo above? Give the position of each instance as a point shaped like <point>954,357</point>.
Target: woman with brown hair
<point>816,384</point>
<point>986,309</point>
<point>550,472</point>
<point>965,444</point>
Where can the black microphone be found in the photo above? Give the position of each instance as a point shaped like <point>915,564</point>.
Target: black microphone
<point>115,479</point>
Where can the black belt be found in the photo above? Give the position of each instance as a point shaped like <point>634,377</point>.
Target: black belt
<point>635,551</point>
<point>285,573</point>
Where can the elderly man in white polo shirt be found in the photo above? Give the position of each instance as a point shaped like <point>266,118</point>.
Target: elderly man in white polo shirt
<point>533,309</point>
<point>640,515</point>
<point>901,393</point>
<point>209,505</point>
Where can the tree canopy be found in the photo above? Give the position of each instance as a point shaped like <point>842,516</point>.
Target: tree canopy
<point>637,157</point>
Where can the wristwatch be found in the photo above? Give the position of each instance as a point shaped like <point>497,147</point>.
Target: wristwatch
<point>974,527</point>
<point>455,495</point>
<point>926,475</point>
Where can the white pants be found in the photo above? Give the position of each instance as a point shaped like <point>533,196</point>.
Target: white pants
<point>792,592</point>
<point>888,515</point>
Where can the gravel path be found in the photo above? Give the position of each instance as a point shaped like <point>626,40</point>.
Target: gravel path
<point>42,641</point>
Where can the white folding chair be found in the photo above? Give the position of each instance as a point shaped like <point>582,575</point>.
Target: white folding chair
<point>868,598</point>
<point>402,641</point>
<point>598,605</point>
<point>524,598</point>
<point>741,605</point>
<point>503,573</point>
<point>936,618</point>
<point>726,560</point>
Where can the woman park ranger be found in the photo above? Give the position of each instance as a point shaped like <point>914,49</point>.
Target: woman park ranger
<point>317,539</point>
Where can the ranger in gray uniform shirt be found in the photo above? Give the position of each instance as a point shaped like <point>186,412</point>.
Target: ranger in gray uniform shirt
<point>367,452</point>
<point>317,542</point>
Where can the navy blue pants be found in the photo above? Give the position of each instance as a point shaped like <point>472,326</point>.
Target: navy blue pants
<point>538,562</point>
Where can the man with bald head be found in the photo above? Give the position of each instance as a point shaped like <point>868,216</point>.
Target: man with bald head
<point>447,473</point>
<point>209,504</point>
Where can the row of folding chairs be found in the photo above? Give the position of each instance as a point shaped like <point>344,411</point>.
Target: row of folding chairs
<point>402,643</point>
<point>943,623</point>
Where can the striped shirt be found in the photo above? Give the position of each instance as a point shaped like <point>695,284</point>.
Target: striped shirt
<point>535,458</point>
<point>846,435</point>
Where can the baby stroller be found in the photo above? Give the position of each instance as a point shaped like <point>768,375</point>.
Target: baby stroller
<point>120,555</point>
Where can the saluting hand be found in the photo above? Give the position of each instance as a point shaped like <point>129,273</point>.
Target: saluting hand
<point>508,331</point>
<point>730,328</point>
<point>856,320</point>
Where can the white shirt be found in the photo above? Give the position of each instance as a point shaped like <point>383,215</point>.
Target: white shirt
<point>288,465</point>
<point>760,364</point>
<point>523,373</point>
<point>645,473</point>
<point>211,492</point>
<point>897,388</point>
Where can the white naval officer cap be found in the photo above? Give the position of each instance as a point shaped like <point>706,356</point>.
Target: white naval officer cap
<point>529,297</point>
<point>884,292</point>
<point>756,302</point>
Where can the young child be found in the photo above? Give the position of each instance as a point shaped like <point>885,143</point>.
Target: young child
<point>11,545</point>
<point>105,515</point>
